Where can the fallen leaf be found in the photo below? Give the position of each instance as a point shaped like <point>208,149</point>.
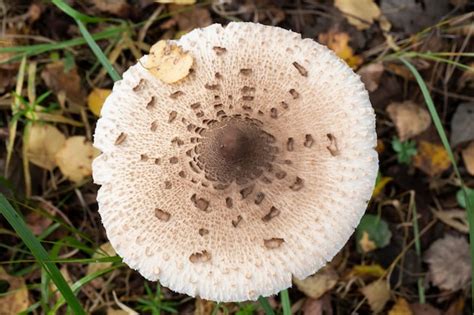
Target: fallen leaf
<point>457,307</point>
<point>366,244</point>
<point>75,158</point>
<point>15,300</point>
<point>43,144</point>
<point>456,219</point>
<point>468,158</point>
<point>181,2</point>
<point>6,42</point>
<point>320,306</point>
<point>168,62</point>
<point>370,75</point>
<point>424,309</point>
<point>412,16</point>
<point>362,271</point>
<point>59,80</point>
<point>318,284</point>
<point>96,100</point>
<point>462,124</point>
<point>116,7</point>
<point>377,294</point>
<point>401,307</point>
<point>410,119</point>
<point>431,158</point>
<point>339,43</point>
<point>360,13</point>
<point>380,148</point>
<point>371,233</point>
<point>449,263</point>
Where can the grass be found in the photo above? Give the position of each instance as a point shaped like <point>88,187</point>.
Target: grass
<point>444,139</point>
<point>41,255</point>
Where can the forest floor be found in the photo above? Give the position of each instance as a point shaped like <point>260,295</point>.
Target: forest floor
<point>410,253</point>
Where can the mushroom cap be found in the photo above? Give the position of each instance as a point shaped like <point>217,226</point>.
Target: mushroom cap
<point>255,168</point>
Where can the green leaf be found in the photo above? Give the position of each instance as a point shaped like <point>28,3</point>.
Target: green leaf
<point>40,254</point>
<point>377,230</point>
<point>461,197</point>
<point>265,305</point>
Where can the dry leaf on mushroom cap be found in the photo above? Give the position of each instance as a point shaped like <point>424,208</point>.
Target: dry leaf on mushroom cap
<point>241,175</point>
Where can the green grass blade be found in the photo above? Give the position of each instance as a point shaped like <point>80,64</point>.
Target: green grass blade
<point>444,140</point>
<point>416,232</point>
<point>80,20</point>
<point>76,15</point>
<point>285,302</point>
<point>98,52</point>
<point>81,282</point>
<point>265,305</point>
<point>40,254</point>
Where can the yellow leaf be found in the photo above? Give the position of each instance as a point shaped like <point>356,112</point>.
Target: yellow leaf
<point>377,294</point>
<point>431,158</point>
<point>339,43</point>
<point>96,99</point>
<point>168,62</point>
<point>316,285</point>
<point>366,244</point>
<point>401,307</point>
<point>43,143</point>
<point>15,299</point>
<point>374,270</point>
<point>75,158</point>
<point>360,13</point>
<point>381,185</point>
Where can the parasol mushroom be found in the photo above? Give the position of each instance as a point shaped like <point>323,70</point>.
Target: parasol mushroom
<point>253,168</point>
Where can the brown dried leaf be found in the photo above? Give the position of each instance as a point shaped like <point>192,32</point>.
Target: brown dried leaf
<point>58,80</point>
<point>462,124</point>
<point>371,75</point>
<point>204,307</point>
<point>431,158</point>
<point>15,299</point>
<point>116,7</point>
<point>360,13</point>
<point>43,144</point>
<point>450,263</point>
<point>377,294</point>
<point>75,158</point>
<point>168,62</point>
<point>104,250</point>
<point>189,20</point>
<point>409,119</point>
<point>316,285</point>
<point>320,306</point>
<point>468,158</point>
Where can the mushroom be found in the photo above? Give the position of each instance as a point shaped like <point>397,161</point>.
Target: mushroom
<point>254,168</point>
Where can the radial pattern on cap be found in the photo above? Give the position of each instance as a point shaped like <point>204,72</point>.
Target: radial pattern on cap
<point>254,168</point>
